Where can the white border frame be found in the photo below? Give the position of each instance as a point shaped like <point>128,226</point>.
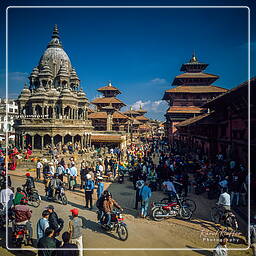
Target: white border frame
<point>249,123</point>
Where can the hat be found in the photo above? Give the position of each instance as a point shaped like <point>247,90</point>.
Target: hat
<point>50,163</point>
<point>100,178</point>
<point>27,174</point>
<point>50,207</point>
<point>74,211</point>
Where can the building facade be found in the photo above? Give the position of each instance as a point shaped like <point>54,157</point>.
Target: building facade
<point>8,113</point>
<point>192,89</point>
<point>53,109</point>
<point>225,128</point>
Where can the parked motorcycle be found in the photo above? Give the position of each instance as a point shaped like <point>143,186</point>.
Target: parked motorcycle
<point>117,225</point>
<point>161,211</point>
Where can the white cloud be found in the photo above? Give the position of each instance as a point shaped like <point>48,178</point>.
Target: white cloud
<point>158,80</point>
<point>158,106</point>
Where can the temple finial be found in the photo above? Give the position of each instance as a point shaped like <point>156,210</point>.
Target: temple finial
<point>55,33</point>
<point>194,58</point>
<point>109,83</point>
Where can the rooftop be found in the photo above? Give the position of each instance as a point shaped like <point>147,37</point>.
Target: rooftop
<point>185,109</point>
<point>104,115</point>
<point>109,87</point>
<point>108,100</point>
<point>197,89</point>
<point>192,120</point>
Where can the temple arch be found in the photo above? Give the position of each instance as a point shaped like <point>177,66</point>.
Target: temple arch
<point>47,140</point>
<point>67,138</point>
<point>38,142</point>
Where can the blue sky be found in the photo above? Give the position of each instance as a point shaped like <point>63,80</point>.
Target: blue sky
<point>139,50</point>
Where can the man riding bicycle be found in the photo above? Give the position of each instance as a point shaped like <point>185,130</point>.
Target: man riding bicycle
<point>224,202</point>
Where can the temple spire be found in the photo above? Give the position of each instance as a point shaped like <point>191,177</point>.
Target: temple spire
<point>55,33</point>
<point>194,58</point>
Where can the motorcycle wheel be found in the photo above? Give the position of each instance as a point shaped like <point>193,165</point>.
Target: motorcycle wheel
<point>34,201</point>
<point>189,204</point>
<point>122,232</point>
<point>185,213</point>
<point>64,200</point>
<point>157,211</point>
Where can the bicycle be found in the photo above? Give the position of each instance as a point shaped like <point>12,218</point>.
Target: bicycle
<point>219,215</point>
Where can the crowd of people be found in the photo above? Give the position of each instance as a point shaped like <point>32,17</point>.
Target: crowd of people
<point>150,166</point>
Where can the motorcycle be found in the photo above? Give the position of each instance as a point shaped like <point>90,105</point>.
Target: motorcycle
<point>117,225</point>
<point>60,196</point>
<point>161,211</point>
<point>20,236</point>
<point>33,197</point>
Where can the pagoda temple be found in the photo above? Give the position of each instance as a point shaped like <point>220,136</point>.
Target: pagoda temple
<point>139,124</point>
<point>107,116</point>
<point>192,89</point>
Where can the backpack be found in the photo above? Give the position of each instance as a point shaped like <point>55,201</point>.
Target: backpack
<point>99,203</point>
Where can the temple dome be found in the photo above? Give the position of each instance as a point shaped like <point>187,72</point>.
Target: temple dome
<point>55,56</point>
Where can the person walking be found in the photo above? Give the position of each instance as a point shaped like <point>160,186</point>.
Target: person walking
<point>39,167</point>
<point>88,189</point>
<point>139,185</point>
<point>75,229</point>
<point>55,222</point>
<point>145,194</point>
<point>42,224</point>
<point>47,242</point>
<point>221,248</point>
<point>100,187</point>
<point>66,236</point>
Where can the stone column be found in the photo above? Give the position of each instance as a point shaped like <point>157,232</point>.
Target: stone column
<point>73,140</point>
<point>62,140</point>
<point>22,141</point>
<point>52,144</point>
<point>109,126</point>
<point>90,141</point>
<point>82,142</point>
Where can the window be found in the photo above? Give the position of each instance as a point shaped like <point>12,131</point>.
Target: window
<point>11,110</point>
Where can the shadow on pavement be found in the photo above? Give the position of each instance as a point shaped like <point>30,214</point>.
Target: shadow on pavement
<point>203,252</point>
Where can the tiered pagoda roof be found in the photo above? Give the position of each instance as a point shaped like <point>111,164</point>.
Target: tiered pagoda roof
<point>104,115</point>
<point>185,109</point>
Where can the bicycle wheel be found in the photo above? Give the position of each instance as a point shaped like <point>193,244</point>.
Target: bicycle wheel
<point>215,215</point>
<point>189,204</point>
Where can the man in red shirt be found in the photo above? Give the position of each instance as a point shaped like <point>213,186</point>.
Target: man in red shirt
<point>22,215</point>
